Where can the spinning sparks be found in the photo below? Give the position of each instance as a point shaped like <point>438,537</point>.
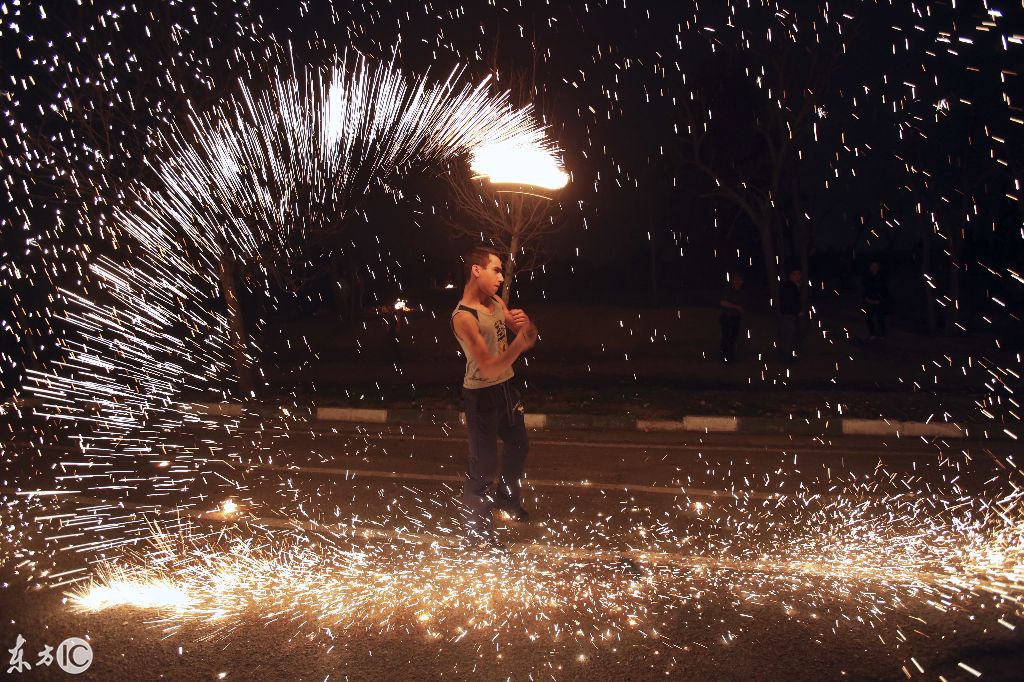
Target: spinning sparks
<point>265,171</point>
<point>515,163</point>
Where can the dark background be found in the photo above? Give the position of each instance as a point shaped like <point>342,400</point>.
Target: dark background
<point>912,157</point>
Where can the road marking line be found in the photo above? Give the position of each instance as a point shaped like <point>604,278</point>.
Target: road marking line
<point>891,427</point>
<point>746,449</point>
<point>536,483</point>
<point>535,421</point>
<point>635,445</point>
<point>352,414</point>
<point>711,424</point>
<point>601,486</point>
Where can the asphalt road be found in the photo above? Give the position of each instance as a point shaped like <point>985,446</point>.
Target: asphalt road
<point>649,556</point>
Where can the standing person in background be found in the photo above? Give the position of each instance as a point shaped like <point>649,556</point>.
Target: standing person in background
<point>731,314</point>
<point>876,301</point>
<point>492,405</point>
<point>790,309</point>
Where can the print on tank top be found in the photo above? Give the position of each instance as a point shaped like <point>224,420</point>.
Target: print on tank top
<point>501,336</point>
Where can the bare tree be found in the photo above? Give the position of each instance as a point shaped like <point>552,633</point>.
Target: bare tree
<point>766,178</point>
<point>114,94</point>
<point>514,219</point>
<point>957,191</point>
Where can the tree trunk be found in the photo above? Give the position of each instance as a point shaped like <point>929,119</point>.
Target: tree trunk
<point>782,249</point>
<point>510,269</point>
<point>805,282</point>
<point>771,269</point>
<point>236,326</point>
<point>802,243</point>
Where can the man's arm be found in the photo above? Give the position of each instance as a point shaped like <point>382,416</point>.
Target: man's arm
<point>491,367</point>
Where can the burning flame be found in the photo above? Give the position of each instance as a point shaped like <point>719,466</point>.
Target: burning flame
<point>516,162</point>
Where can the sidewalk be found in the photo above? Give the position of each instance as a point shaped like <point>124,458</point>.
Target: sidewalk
<point>625,422</point>
<point>627,417</point>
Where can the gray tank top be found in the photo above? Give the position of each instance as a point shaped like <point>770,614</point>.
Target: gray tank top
<point>492,329</point>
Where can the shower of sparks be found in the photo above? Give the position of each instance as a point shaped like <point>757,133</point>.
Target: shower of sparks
<point>133,174</point>
<point>149,595</point>
<point>269,166</point>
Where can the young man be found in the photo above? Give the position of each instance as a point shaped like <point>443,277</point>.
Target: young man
<point>790,310</point>
<point>730,314</point>
<point>492,405</point>
<point>876,301</point>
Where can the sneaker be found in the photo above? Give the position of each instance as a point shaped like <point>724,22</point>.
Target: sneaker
<point>519,515</point>
<point>516,514</point>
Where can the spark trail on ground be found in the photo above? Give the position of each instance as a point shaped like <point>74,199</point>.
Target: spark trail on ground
<point>866,565</point>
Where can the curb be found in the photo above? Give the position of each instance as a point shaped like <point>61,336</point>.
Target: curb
<point>693,423</point>
<point>689,423</point>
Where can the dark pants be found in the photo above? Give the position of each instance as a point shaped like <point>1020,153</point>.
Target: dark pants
<point>876,318</point>
<point>730,332</point>
<point>788,331</point>
<point>493,412</point>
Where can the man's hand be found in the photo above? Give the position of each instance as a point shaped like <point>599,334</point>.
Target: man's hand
<point>529,334</point>
<point>517,319</point>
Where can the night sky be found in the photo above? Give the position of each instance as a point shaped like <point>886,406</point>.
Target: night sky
<point>917,108</point>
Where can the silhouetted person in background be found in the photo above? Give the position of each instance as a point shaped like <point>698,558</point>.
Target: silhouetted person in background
<point>790,309</point>
<point>731,314</point>
<point>876,301</point>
